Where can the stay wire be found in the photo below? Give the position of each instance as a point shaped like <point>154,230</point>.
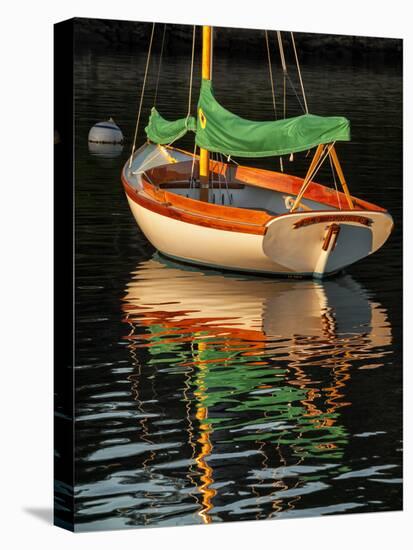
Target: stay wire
<point>159,66</point>
<point>271,75</point>
<point>192,72</point>
<point>142,94</point>
<point>299,73</point>
<point>335,181</point>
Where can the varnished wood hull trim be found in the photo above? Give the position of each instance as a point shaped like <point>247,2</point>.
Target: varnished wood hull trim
<point>176,212</point>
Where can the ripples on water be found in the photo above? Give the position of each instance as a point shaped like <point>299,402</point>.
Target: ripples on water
<point>203,397</point>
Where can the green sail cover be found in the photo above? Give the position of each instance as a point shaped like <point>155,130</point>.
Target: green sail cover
<point>162,131</point>
<point>221,131</point>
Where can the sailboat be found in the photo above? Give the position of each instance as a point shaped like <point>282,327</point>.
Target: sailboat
<point>205,208</point>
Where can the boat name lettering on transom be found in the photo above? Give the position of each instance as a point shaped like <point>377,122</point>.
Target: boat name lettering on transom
<point>323,219</point>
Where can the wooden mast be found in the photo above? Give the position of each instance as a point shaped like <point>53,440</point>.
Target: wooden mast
<point>206,74</point>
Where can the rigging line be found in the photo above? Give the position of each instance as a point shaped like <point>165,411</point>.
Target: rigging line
<point>271,76</point>
<point>142,94</point>
<point>226,180</point>
<point>157,153</point>
<point>299,72</point>
<point>280,45</point>
<point>211,170</point>
<point>232,160</point>
<point>227,188</point>
<point>285,77</point>
<point>146,175</point>
<point>159,66</point>
<point>143,88</point>
<point>295,93</point>
<point>220,175</point>
<point>272,85</point>
<point>284,68</point>
<point>321,160</point>
<point>192,168</point>
<point>309,177</point>
<point>192,72</point>
<point>335,182</point>
<point>285,73</point>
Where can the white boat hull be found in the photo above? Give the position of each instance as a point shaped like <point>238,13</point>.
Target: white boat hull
<point>257,253</point>
<point>203,245</point>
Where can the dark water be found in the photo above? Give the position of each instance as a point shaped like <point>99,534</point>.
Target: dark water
<point>203,397</point>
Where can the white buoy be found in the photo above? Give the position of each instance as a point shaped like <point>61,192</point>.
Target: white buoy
<point>105,132</point>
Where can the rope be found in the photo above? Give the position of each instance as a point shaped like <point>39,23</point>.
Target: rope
<point>295,92</point>
<point>192,72</point>
<point>159,66</point>
<point>190,101</point>
<point>230,159</point>
<point>309,178</point>
<point>192,168</point>
<point>299,72</point>
<point>142,94</point>
<point>157,153</point>
<point>326,153</point>
<point>270,71</point>
<point>280,45</point>
<point>211,172</point>
<point>159,150</point>
<point>272,86</point>
<point>226,180</point>
<point>335,182</point>
<point>285,74</point>
<point>219,156</point>
<point>150,181</point>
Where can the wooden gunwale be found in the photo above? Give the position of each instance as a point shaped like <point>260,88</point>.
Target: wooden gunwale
<point>267,179</point>
<point>165,208</point>
<point>154,197</point>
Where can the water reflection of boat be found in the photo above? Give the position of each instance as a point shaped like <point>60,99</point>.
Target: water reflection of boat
<point>177,296</point>
<point>265,365</point>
